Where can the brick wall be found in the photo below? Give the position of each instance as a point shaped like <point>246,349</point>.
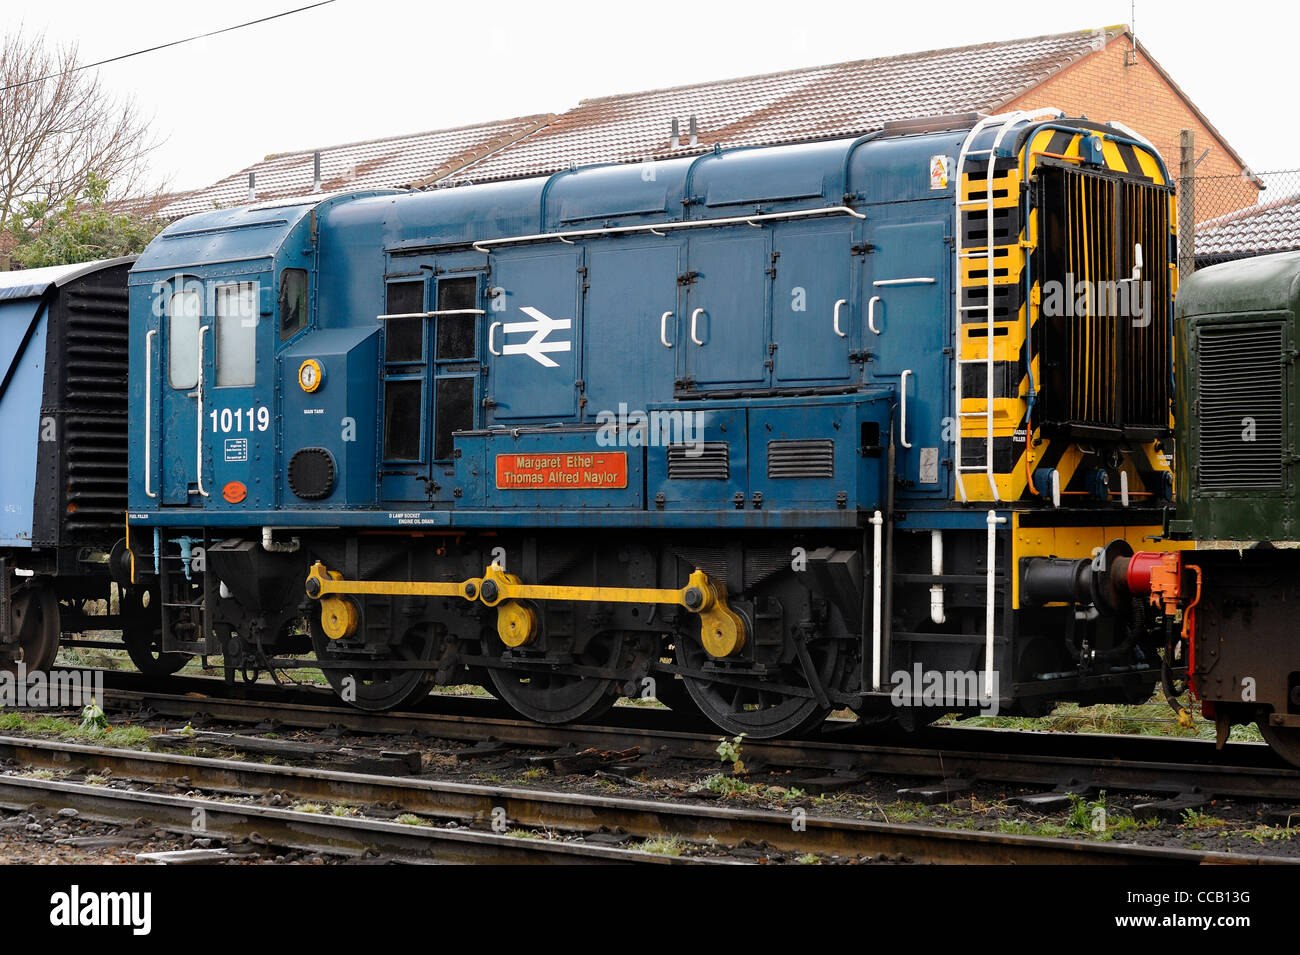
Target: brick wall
<point>1101,87</point>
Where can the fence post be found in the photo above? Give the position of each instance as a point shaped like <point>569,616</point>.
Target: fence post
<point>1186,203</point>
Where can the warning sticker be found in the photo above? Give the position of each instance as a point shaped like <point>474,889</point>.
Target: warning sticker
<point>940,171</point>
<point>603,470</point>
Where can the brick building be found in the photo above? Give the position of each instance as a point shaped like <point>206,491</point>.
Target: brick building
<point>1103,74</point>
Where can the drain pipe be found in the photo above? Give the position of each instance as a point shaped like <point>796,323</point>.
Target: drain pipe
<point>876,590</point>
<point>990,595</point>
<point>283,547</point>
<point>936,569</point>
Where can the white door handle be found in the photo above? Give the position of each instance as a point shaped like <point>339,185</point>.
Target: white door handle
<point>871,314</point>
<point>199,394</point>
<point>695,315</point>
<point>148,409</point>
<point>835,321</point>
<point>902,388</point>
<point>492,331</point>
<point>663,329</point>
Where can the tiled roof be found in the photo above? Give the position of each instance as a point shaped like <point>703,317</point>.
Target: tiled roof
<point>1268,227</point>
<point>815,103</point>
<point>395,162</point>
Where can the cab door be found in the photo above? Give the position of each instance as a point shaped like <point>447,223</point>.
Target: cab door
<point>238,440</point>
<point>184,334</point>
<point>214,425</point>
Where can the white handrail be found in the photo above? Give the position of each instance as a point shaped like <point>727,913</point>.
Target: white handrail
<point>482,244</point>
<point>877,523</point>
<point>663,329</point>
<point>443,311</point>
<point>1006,121</point>
<point>914,280</point>
<point>835,320</point>
<point>694,318</point>
<point>871,314</point>
<point>148,410</point>
<point>902,389</point>
<point>198,392</point>
<point>491,331</point>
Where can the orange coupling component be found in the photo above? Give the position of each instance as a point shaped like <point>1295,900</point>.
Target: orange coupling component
<point>1158,575</point>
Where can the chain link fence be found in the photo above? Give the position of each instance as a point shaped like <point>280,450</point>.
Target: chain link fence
<point>1240,216</point>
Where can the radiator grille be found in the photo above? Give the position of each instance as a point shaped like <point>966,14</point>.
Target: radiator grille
<point>706,461</point>
<point>1104,339</point>
<point>1240,407</point>
<point>801,458</point>
<point>94,422</point>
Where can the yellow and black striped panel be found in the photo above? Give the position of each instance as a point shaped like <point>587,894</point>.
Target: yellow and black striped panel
<point>1016,235</point>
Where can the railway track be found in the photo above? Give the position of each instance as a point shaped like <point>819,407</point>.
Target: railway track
<point>1052,761</point>
<point>471,807</point>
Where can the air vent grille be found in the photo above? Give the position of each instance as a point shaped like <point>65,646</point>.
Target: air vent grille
<point>802,458</point>
<point>702,461</point>
<point>1240,407</point>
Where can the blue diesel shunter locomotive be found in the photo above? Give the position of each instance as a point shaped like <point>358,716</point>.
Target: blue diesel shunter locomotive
<point>765,431</point>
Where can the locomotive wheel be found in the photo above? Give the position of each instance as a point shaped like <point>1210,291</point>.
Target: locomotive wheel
<point>34,618</point>
<point>557,697</point>
<point>142,636</point>
<point>1283,740</point>
<point>761,713</point>
<point>376,689</point>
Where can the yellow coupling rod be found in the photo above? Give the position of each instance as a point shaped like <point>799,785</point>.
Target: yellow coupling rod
<point>722,631</point>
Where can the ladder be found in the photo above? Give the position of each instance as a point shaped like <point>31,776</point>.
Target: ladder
<point>1004,123</point>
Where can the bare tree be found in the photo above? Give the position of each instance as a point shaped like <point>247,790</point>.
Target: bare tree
<point>61,131</point>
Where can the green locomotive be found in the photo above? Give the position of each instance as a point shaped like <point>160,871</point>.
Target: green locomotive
<point>1232,598</point>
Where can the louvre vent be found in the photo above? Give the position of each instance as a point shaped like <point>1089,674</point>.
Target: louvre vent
<point>1240,407</point>
<point>94,425</point>
<point>703,461</point>
<point>802,458</point>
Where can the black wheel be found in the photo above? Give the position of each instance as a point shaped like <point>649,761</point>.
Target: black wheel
<point>758,711</point>
<point>547,695</point>
<point>34,617</point>
<point>142,633</point>
<point>370,688</point>
<point>1283,740</point>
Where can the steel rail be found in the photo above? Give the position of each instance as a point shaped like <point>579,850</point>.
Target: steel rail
<point>472,803</point>
<point>1115,762</point>
<point>347,835</point>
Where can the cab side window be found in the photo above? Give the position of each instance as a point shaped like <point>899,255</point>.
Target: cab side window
<point>236,334</point>
<point>183,312</point>
<point>404,372</point>
<point>293,302</point>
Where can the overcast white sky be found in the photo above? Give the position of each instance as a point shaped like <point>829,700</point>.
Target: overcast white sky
<point>358,69</point>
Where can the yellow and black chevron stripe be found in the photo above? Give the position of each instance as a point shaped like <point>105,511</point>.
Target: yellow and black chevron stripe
<point>1017,449</point>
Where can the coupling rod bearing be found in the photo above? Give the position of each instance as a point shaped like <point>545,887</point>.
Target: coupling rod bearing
<point>722,630</point>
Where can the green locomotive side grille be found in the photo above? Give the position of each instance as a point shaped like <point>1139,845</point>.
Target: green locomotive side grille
<point>1240,407</point>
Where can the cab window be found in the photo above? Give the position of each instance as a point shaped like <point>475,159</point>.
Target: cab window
<point>183,310</point>
<point>293,302</point>
<point>236,334</point>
